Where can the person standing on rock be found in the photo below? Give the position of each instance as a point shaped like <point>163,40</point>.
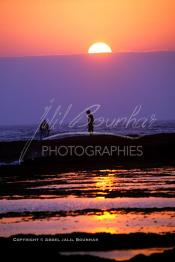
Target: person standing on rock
<point>44,129</point>
<point>90,122</point>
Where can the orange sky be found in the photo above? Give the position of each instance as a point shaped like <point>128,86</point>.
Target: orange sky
<point>48,27</point>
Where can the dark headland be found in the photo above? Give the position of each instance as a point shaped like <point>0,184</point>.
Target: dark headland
<point>78,152</point>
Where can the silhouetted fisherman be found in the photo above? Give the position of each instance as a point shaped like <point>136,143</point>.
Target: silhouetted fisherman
<point>90,122</point>
<point>44,129</point>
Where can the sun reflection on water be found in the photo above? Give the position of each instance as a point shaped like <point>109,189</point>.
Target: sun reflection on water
<point>105,216</point>
<point>106,182</point>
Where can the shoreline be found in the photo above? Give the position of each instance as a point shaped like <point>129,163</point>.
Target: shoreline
<point>26,181</point>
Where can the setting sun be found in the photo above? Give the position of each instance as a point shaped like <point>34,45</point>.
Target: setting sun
<point>100,47</point>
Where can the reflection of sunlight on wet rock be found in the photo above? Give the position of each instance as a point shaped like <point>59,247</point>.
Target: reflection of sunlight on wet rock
<point>106,229</point>
<point>100,198</point>
<point>105,182</point>
<point>112,201</point>
<point>106,216</point>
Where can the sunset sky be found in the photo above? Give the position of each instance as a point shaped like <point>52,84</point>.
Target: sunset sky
<point>52,27</point>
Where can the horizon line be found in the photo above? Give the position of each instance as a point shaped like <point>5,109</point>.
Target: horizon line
<point>83,54</point>
<point>36,123</point>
